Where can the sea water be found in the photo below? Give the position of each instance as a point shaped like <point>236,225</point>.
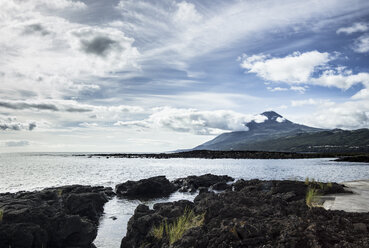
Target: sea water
<point>35,171</point>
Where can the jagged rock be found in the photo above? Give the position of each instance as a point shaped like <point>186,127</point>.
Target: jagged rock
<point>192,183</point>
<point>54,217</point>
<point>146,188</point>
<point>254,214</point>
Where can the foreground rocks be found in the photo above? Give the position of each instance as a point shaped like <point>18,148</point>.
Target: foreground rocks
<point>54,217</point>
<point>193,183</point>
<point>254,214</point>
<point>160,186</point>
<point>146,188</point>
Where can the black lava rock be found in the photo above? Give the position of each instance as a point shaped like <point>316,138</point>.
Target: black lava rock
<point>54,217</point>
<point>146,188</point>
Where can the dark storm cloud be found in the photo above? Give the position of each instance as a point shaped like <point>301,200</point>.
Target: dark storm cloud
<point>17,143</point>
<point>78,110</point>
<point>99,45</point>
<point>36,28</point>
<point>31,126</point>
<point>21,106</point>
<point>10,126</point>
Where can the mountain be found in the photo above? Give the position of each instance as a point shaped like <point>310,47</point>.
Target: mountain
<point>279,134</point>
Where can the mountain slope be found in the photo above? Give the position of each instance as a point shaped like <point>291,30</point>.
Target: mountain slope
<point>332,141</point>
<point>275,126</point>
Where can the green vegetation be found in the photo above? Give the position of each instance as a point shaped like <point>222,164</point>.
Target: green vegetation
<point>307,181</point>
<point>1,215</point>
<point>174,231</point>
<point>59,192</point>
<point>311,196</point>
<point>158,232</point>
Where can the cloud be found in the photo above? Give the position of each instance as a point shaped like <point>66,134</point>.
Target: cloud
<point>186,14</point>
<point>276,89</point>
<point>17,143</point>
<point>78,110</point>
<point>300,68</point>
<point>293,69</point>
<point>362,94</point>
<point>11,124</point>
<point>86,124</point>
<point>32,126</point>
<point>310,101</point>
<point>99,45</point>
<point>348,115</point>
<point>195,121</point>
<point>356,27</point>
<point>341,79</point>
<point>55,56</point>
<point>300,89</point>
<point>24,105</point>
<point>361,44</point>
<point>68,106</point>
<point>36,28</point>
<point>211,27</point>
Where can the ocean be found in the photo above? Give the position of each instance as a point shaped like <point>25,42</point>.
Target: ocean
<point>35,171</point>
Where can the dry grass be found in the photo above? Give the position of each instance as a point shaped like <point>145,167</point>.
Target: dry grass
<point>311,197</point>
<point>174,231</point>
<point>1,215</point>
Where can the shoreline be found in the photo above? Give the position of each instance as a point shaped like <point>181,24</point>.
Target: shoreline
<point>283,195</point>
<point>208,154</point>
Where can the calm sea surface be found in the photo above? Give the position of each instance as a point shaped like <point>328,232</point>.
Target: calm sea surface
<point>37,171</point>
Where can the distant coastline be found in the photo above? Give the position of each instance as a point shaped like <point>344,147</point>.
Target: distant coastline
<point>208,154</point>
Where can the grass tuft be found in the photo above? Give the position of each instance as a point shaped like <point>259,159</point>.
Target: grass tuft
<point>307,181</point>
<point>159,231</point>
<point>311,196</point>
<point>174,231</point>
<point>1,215</point>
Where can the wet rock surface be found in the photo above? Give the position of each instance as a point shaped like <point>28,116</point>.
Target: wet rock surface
<point>54,217</point>
<point>254,213</point>
<point>152,187</point>
<point>193,183</point>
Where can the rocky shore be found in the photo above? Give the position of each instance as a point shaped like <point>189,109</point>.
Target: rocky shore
<point>249,214</point>
<point>225,213</point>
<point>54,217</point>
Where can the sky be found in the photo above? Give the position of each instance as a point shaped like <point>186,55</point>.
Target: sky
<point>154,76</point>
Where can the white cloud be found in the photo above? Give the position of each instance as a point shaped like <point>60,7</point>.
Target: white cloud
<point>362,94</point>
<point>356,27</point>
<point>216,26</point>
<point>343,80</point>
<point>45,53</point>
<point>87,124</point>
<point>348,115</point>
<point>293,69</point>
<point>186,14</point>
<point>276,89</point>
<point>310,101</point>
<point>300,89</point>
<point>362,44</point>
<point>299,68</point>
<point>11,124</point>
<point>16,143</point>
<point>195,121</point>
<point>280,119</point>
